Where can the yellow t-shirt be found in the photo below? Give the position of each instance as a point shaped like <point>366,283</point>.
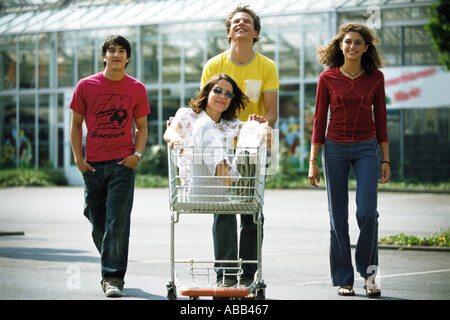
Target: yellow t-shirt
<point>254,78</point>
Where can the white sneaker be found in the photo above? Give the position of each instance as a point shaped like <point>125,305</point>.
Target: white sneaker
<point>112,287</point>
<point>113,291</point>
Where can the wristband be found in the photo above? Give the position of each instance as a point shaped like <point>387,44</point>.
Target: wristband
<point>386,162</point>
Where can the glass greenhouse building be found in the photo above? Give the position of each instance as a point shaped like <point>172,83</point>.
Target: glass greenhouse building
<point>46,46</point>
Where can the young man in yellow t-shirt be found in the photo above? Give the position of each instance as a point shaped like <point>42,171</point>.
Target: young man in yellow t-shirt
<point>254,73</point>
<point>257,76</point>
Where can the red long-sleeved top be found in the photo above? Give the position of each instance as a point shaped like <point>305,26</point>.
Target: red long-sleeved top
<point>350,101</point>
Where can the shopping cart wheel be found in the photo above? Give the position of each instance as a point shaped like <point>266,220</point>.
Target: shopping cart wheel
<point>260,294</point>
<point>171,292</point>
<point>260,291</point>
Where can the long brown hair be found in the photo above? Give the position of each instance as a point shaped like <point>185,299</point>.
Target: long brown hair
<point>332,56</point>
<point>237,103</point>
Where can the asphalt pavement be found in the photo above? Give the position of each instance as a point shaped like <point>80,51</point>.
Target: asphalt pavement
<point>46,250</point>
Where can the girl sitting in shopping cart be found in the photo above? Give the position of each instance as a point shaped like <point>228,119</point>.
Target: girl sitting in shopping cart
<point>217,165</point>
<point>211,126</point>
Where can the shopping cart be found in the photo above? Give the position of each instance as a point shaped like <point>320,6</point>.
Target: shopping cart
<point>191,191</point>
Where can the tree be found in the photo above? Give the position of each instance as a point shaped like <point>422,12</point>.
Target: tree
<point>439,29</point>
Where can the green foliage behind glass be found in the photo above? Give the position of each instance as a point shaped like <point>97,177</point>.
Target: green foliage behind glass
<point>31,177</point>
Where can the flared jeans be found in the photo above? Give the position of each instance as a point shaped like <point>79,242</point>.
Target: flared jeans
<point>363,157</point>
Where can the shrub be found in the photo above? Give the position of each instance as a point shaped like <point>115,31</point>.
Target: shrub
<point>441,239</point>
<point>31,177</point>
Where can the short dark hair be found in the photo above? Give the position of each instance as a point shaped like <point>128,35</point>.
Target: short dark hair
<point>246,9</point>
<point>116,40</point>
<point>237,103</point>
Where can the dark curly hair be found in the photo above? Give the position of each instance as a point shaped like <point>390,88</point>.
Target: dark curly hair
<point>332,56</point>
<point>237,103</point>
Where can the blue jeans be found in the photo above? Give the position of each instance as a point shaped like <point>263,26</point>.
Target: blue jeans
<point>108,194</point>
<point>338,158</point>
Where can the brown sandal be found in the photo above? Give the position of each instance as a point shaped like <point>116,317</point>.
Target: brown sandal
<point>350,290</point>
<point>370,290</point>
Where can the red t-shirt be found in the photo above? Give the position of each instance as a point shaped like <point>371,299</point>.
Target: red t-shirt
<point>109,108</point>
<point>352,118</point>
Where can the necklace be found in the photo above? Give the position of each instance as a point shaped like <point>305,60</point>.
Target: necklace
<point>352,75</point>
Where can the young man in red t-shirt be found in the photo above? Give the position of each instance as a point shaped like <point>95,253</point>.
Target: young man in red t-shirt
<point>110,102</point>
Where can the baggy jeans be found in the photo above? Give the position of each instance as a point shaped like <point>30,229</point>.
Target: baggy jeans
<point>108,196</point>
<point>364,158</point>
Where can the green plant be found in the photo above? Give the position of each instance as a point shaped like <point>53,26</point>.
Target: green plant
<point>154,161</point>
<point>31,177</point>
<point>151,181</point>
<point>439,29</point>
<point>441,239</point>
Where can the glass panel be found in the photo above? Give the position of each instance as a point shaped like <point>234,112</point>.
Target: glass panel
<point>150,54</point>
<point>193,55</point>
<point>417,47</point>
<point>394,131</point>
<point>152,118</point>
<point>8,62</point>
<point>44,131</point>
<point>8,118</point>
<point>426,144</point>
<point>288,122</point>
<point>171,103</point>
<point>87,54</point>
<point>217,38</point>
<point>289,62</point>
<point>313,38</point>
<point>266,44</point>
<point>190,93</point>
<point>351,16</point>
<point>46,58</point>
<point>171,54</point>
<point>131,67</point>
<point>27,62</point>
<point>60,150</point>
<point>405,14</point>
<point>66,59</point>
<point>26,134</point>
<point>391,41</point>
<point>443,118</point>
<point>308,119</point>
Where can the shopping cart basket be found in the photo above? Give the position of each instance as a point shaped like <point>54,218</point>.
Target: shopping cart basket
<point>192,190</point>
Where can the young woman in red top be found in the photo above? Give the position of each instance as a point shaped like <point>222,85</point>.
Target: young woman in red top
<point>352,89</point>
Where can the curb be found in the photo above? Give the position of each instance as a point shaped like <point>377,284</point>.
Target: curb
<point>416,248</point>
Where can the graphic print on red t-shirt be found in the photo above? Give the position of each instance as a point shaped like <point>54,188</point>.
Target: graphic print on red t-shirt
<point>111,110</point>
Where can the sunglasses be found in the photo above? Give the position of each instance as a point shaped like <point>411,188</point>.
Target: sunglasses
<point>228,94</point>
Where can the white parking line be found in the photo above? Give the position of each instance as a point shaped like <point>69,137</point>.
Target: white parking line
<point>382,277</point>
